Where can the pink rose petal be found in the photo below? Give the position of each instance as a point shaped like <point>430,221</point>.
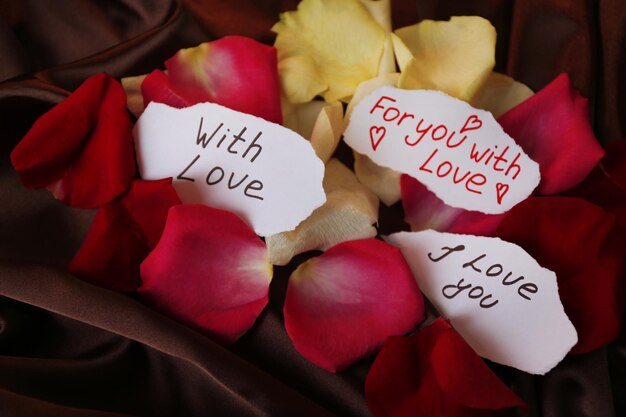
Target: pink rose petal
<point>424,210</point>
<point>342,305</point>
<point>236,72</point>
<point>209,270</point>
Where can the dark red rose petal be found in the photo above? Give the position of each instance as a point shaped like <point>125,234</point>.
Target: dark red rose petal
<point>81,149</point>
<point>424,210</point>
<point>236,72</point>
<point>209,270</point>
<point>342,305</point>
<point>606,185</point>
<point>584,245</point>
<point>465,378</point>
<point>553,128</point>
<point>434,373</point>
<point>123,233</point>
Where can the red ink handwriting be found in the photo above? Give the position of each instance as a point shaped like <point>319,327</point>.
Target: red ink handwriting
<point>377,133</point>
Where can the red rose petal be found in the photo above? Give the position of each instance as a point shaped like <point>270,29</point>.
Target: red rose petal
<point>209,270</point>
<point>606,185</point>
<point>424,210</point>
<point>122,234</point>
<point>234,71</point>
<point>464,377</point>
<point>81,149</point>
<point>433,373</point>
<point>342,305</point>
<point>157,87</point>
<point>585,247</point>
<point>553,128</point>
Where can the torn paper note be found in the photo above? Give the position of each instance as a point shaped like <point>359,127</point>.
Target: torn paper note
<point>261,171</point>
<point>459,152</point>
<point>503,303</point>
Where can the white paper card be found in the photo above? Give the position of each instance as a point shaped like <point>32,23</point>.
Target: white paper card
<point>459,152</point>
<point>261,171</point>
<point>503,303</point>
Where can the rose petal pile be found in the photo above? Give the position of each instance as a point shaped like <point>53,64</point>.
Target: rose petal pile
<point>206,268</point>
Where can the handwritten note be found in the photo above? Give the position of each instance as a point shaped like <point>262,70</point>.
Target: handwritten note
<point>263,172</point>
<point>459,152</point>
<point>504,304</point>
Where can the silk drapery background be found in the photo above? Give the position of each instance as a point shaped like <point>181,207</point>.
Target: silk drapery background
<point>70,349</point>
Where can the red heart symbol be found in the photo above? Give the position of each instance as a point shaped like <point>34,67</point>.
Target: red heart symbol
<point>377,133</point>
<point>472,123</point>
<point>501,190</point>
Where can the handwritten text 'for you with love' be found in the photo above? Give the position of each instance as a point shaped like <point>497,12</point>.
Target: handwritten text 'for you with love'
<point>263,172</point>
<point>505,305</point>
<point>459,152</point>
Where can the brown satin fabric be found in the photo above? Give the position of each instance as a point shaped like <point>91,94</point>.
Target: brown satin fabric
<point>70,349</point>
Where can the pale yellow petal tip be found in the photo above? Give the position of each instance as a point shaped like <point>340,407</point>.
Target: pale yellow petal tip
<point>194,54</point>
<point>401,51</point>
<point>193,60</point>
<point>56,189</point>
<point>299,79</point>
<point>383,182</point>
<point>301,271</point>
<point>301,117</point>
<point>380,11</point>
<point>269,270</point>
<point>315,56</point>
<point>455,56</point>
<point>349,213</point>
<point>327,131</point>
<point>134,98</point>
<point>317,121</point>
<point>500,94</point>
<point>369,86</point>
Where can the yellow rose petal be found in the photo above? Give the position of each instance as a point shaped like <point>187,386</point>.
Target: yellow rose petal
<point>455,56</point>
<point>381,12</point>
<point>327,130</point>
<point>367,87</point>
<point>500,94</point>
<point>348,214</point>
<point>134,98</point>
<point>317,121</point>
<point>301,117</point>
<point>329,44</point>
<point>401,51</point>
<point>382,181</point>
<point>300,79</point>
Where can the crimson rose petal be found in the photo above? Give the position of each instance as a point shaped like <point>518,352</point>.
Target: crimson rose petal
<point>81,149</point>
<point>342,305</point>
<point>209,270</point>
<point>157,87</point>
<point>123,233</point>
<point>606,185</point>
<point>236,72</point>
<point>584,245</point>
<point>424,210</point>
<point>553,128</point>
<point>434,373</point>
